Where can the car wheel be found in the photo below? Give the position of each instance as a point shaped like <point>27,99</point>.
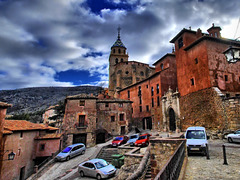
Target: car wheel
<point>81,173</point>
<point>99,176</point>
<point>83,152</point>
<point>230,140</point>
<point>68,158</point>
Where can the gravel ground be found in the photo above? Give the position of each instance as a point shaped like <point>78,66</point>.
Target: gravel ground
<point>199,167</point>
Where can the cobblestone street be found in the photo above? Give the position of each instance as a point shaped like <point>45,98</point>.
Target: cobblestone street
<point>200,168</point>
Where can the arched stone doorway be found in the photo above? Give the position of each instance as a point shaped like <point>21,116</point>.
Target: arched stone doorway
<point>172,120</point>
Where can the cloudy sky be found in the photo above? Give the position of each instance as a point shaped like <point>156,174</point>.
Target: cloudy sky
<point>67,42</point>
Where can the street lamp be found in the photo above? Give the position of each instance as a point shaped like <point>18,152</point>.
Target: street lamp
<point>232,54</point>
<point>11,156</point>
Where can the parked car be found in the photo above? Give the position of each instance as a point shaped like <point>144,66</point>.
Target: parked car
<point>119,140</point>
<point>234,137</point>
<point>97,168</point>
<point>132,139</point>
<point>71,151</point>
<point>197,140</point>
<point>143,140</point>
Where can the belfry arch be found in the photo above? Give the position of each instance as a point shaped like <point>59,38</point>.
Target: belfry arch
<point>171,111</point>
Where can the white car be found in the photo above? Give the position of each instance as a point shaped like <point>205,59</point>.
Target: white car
<point>197,140</point>
<point>234,137</point>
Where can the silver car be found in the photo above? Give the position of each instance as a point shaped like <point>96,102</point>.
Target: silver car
<point>71,151</point>
<point>97,168</point>
<point>234,137</point>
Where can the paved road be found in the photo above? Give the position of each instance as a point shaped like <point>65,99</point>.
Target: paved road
<point>200,168</point>
<point>68,169</point>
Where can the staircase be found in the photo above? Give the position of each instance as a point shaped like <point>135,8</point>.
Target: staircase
<point>148,173</point>
<point>106,154</point>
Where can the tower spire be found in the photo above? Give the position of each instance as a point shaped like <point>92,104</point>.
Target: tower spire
<point>119,29</point>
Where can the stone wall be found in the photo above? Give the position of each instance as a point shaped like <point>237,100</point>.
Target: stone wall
<point>161,152</point>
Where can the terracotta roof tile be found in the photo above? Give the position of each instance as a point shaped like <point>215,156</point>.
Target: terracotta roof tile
<point>5,131</point>
<point>22,125</point>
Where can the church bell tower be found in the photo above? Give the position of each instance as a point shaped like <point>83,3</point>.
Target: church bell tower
<point>117,56</point>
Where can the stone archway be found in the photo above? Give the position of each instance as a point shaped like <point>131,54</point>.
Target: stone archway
<point>171,111</point>
<point>172,120</point>
<point>101,136</point>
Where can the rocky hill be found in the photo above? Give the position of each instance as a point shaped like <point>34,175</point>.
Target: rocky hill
<point>32,100</point>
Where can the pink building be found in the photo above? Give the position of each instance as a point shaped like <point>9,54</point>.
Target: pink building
<point>31,143</point>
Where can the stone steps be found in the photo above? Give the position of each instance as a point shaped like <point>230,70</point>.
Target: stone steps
<point>148,175</point>
<point>106,154</point>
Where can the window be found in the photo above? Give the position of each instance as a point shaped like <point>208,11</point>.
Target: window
<point>81,121</point>
<point>114,51</point>
<point>21,134</point>
<point>161,66</point>
<point>42,147</point>
<point>140,100</point>
<point>126,72</point>
<point>158,101</point>
<point>226,77</point>
<point>142,73</point>
<point>152,91</point>
<point>140,108</point>
<point>96,120</point>
<point>216,76</point>
<point>227,95</point>
<point>152,102</point>
<point>180,43</point>
<point>192,81</point>
<point>147,86</point>
<point>112,118</point>
<point>120,105</point>
<point>121,117</point>
<point>215,34</point>
<point>121,59</point>
<point>196,60</point>
<point>119,51</point>
<point>81,103</point>
<point>116,60</point>
<point>157,88</point>
<point>106,104</point>
<point>139,91</point>
<point>132,110</point>
<point>128,94</point>
<point>147,108</point>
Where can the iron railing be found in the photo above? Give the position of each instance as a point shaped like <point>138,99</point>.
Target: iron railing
<point>172,168</point>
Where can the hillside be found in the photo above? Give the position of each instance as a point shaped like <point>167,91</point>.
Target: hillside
<point>32,100</point>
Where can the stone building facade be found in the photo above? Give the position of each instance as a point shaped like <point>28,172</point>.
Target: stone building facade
<point>193,86</point>
<point>92,119</point>
<point>122,72</point>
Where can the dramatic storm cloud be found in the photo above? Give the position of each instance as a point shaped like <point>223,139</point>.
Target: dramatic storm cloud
<point>67,42</point>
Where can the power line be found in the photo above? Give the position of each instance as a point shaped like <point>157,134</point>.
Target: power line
<point>236,28</point>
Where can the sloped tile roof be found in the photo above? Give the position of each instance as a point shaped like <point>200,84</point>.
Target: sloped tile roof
<point>22,125</point>
<point>4,105</point>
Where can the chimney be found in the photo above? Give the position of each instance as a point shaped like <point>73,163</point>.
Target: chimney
<point>199,33</point>
<point>214,31</point>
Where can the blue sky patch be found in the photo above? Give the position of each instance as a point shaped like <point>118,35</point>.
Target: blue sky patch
<point>76,77</point>
<point>97,6</point>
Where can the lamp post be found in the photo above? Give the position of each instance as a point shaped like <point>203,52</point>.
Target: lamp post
<point>232,54</point>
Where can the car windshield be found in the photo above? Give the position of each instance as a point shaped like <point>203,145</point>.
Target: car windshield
<point>195,134</point>
<point>101,164</point>
<point>66,150</point>
<point>118,139</point>
<point>142,137</point>
<point>133,137</point>
<point>237,132</point>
